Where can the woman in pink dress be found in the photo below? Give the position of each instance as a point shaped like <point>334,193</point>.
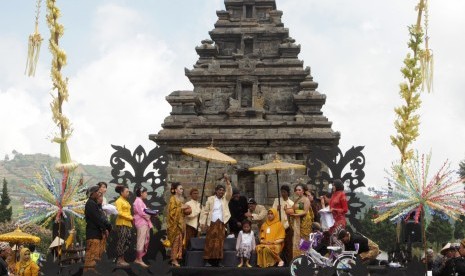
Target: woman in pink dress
<point>338,206</point>
<point>143,225</point>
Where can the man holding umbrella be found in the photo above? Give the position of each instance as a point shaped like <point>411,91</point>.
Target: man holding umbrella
<point>215,216</point>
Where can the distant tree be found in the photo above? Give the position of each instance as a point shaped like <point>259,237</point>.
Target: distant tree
<point>382,233</point>
<point>5,211</point>
<point>459,228</point>
<point>7,158</point>
<point>439,230</point>
<point>462,170</point>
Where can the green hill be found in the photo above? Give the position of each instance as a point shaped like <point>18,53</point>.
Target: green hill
<point>22,169</point>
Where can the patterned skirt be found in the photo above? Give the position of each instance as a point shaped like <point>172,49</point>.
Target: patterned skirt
<point>93,253</point>
<point>244,251</point>
<point>177,247</point>
<point>214,241</point>
<point>191,232</point>
<point>124,239</point>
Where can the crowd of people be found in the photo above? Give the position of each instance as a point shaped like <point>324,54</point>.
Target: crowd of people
<point>98,226</point>
<point>275,235</point>
<point>25,265</point>
<point>449,262</point>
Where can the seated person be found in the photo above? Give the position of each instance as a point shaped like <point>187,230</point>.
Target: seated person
<point>271,241</point>
<point>256,214</point>
<point>367,249</point>
<point>322,239</point>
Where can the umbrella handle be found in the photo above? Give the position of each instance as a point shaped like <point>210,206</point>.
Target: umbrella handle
<point>201,197</point>
<point>279,196</point>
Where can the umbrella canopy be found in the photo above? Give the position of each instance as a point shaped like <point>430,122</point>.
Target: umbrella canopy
<point>277,165</point>
<point>19,236</point>
<point>57,242</point>
<point>209,154</point>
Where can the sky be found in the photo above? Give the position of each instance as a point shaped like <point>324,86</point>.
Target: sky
<point>125,57</point>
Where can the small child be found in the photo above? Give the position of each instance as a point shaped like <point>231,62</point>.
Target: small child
<point>245,243</point>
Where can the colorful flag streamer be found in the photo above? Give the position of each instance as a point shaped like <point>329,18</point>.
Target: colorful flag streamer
<point>412,191</point>
<point>52,197</point>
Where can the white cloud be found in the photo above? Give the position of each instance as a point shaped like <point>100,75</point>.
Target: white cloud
<point>118,97</point>
<point>355,49</point>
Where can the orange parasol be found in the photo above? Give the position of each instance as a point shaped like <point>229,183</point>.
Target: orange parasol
<point>209,154</point>
<point>277,165</point>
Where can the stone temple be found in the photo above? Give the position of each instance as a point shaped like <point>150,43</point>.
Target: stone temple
<point>253,97</point>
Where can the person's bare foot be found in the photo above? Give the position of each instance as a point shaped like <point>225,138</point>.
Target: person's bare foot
<point>122,263</point>
<point>141,263</point>
<point>239,265</point>
<point>175,263</point>
<point>248,265</point>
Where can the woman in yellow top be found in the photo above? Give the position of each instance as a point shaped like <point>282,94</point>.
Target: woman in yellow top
<point>175,224</point>
<point>123,224</point>
<point>25,266</point>
<point>272,235</point>
<point>301,219</point>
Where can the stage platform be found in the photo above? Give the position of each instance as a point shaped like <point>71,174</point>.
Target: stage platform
<point>230,271</point>
<point>135,270</point>
<point>271,271</point>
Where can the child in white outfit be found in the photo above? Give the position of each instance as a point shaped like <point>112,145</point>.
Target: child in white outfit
<point>245,243</point>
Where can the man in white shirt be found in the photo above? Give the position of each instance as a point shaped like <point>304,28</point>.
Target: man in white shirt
<point>192,218</point>
<point>286,202</point>
<point>215,215</point>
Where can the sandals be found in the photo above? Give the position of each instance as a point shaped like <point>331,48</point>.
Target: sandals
<point>281,264</point>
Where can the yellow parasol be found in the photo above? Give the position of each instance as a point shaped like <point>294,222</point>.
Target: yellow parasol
<point>277,165</point>
<point>19,236</point>
<point>209,154</point>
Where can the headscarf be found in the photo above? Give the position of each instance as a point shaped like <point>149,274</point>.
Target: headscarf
<point>272,230</point>
<point>3,246</point>
<point>22,264</point>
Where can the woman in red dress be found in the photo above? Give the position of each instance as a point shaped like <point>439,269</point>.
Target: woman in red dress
<point>338,206</point>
